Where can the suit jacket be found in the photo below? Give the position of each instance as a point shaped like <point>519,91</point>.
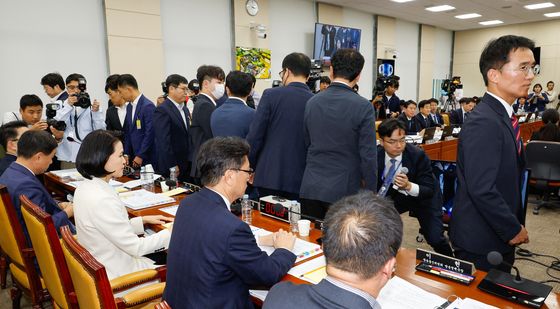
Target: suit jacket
<point>537,104</point>
<point>393,104</point>
<point>19,180</point>
<point>322,295</point>
<point>139,133</point>
<point>213,257</point>
<point>233,118</point>
<point>419,172</point>
<point>201,130</point>
<point>104,229</point>
<point>413,125</point>
<point>339,128</point>
<point>278,124</point>
<point>5,162</point>
<point>424,123</point>
<point>112,119</point>
<point>456,116</point>
<point>171,138</point>
<point>487,211</point>
<point>439,119</point>
<point>521,108</point>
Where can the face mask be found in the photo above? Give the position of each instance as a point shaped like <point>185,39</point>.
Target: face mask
<point>218,91</point>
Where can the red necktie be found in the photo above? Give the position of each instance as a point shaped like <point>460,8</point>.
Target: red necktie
<point>517,132</point>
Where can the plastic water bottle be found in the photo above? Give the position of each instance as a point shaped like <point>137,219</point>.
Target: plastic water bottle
<point>295,211</point>
<point>147,177</point>
<point>173,176</point>
<point>246,209</point>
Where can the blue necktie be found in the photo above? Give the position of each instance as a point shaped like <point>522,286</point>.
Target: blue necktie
<point>128,116</point>
<point>388,179</point>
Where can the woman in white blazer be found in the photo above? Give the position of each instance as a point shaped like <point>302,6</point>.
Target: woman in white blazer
<point>102,222</point>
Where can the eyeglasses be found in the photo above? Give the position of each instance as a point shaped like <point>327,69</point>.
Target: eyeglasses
<point>250,171</point>
<point>526,69</point>
<point>281,73</point>
<point>71,87</point>
<point>401,141</point>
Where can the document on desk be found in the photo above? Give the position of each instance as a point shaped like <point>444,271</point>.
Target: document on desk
<point>131,184</point>
<point>311,271</point>
<point>260,294</point>
<point>401,294</point>
<point>140,199</point>
<point>171,210</point>
<point>469,303</point>
<point>302,249</point>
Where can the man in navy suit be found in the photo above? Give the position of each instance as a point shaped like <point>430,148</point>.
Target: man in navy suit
<point>9,137</point>
<point>211,81</point>
<point>436,117</point>
<point>234,117</point>
<point>488,212</point>
<point>361,238</point>
<point>213,258</point>
<point>116,113</point>
<point>458,116</point>
<point>278,126</point>
<point>390,100</point>
<point>339,129</point>
<point>423,116</point>
<point>172,122</point>
<point>35,152</point>
<point>417,190</point>
<point>409,119</point>
<point>138,129</point>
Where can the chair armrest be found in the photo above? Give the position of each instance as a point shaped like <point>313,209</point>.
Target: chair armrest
<point>133,279</point>
<point>141,296</point>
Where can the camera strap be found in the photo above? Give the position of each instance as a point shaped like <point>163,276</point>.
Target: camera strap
<point>76,118</point>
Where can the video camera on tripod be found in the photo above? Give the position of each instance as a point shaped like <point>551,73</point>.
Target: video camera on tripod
<point>450,85</point>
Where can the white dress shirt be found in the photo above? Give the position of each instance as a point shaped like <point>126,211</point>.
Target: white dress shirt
<point>121,112</point>
<point>414,188</point>
<point>104,229</point>
<point>209,97</point>
<point>228,203</point>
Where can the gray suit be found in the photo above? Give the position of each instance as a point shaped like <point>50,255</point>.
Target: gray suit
<point>322,295</point>
<point>339,129</point>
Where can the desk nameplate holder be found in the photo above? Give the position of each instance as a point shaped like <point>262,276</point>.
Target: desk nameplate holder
<point>445,266</point>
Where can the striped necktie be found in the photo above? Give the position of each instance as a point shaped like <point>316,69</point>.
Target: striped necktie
<point>517,132</point>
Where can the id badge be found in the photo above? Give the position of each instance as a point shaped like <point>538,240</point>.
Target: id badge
<point>138,124</point>
<point>388,111</point>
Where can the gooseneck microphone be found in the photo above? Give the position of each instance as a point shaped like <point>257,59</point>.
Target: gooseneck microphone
<point>71,139</point>
<point>495,258</point>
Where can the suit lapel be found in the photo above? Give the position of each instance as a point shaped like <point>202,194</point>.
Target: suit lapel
<point>137,110</point>
<point>176,114</point>
<point>502,113</point>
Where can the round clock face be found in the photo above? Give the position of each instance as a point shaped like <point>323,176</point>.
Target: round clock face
<point>252,7</point>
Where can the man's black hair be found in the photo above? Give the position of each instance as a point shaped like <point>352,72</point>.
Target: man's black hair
<point>239,83</point>
<point>208,72</point>
<point>32,142</point>
<point>126,80</point>
<point>53,79</point>
<point>298,63</point>
<point>112,83</point>
<point>325,80</point>
<point>389,125</point>
<point>74,77</point>
<point>29,100</point>
<point>496,53</point>
<point>347,63</point>
<point>175,80</point>
<point>8,132</point>
<point>219,154</point>
<point>423,103</point>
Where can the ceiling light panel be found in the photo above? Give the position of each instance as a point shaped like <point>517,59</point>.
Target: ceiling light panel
<point>468,16</point>
<point>440,8</point>
<point>491,22</point>
<point>538,6</point>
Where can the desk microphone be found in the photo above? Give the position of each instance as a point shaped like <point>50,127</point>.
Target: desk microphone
<point>404,170</point>
<point>71,139</point>
<point>495,258</point>
<point>171,183</point>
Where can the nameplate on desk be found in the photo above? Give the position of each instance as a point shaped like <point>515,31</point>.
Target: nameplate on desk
<point>445,262</point>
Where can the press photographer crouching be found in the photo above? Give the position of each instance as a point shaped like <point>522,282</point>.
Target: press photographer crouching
<point>81,117</point>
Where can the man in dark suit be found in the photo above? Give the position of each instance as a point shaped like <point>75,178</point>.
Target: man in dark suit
<point>138,130</point>
<point>521,106</point>
<point>417,190</point>
<point>360,242</point>
<point>213,258</point>
<point>277,125</point>
<point>436,117</point>
<point>339,129</point>
<point>234,117</point>
<point>211,81</point>
<point>9,137</point>
<point>35,152</point>
<point>423,116</point>
<point>409,119</point>
<point>171,129</point>
<point>458,116</point>
<point>53,84</point>
<point>116,113</point>
<point>390,100</point>
<point>488,212</point>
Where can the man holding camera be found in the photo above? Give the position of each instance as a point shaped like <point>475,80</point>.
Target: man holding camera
<point>390,99</point>
<point>81,117</point>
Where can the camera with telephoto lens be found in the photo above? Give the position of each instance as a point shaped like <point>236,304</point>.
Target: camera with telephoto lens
<point>315,74</point>
<point>164,89</point>
<point>51,113</point>
<point>450,85</point>
<point>383,82</point>
<point>83,97</point>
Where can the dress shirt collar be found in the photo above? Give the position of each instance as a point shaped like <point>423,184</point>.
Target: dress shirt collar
<point>228,203</point>
<point>507,106</point>
<point>240,99</point>
<point>57,96</point>
<point>135,102</point>
<point>178,105</point>
<point>370,299</point>
<point>209,97</point>
<point>26,168</point>
<point>341,82</point>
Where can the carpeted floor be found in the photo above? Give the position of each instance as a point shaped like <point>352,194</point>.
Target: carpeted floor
<point>544,235</point>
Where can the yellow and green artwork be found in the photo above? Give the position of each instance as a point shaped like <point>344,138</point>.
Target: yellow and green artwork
<point>255,61</point>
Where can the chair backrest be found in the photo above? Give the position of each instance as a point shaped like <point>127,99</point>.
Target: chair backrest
<point>445,118</point>
<point>542,160</point>
<point>49,254</point>
<point>163,305</point>
<point>88,275</point>
<point>11,241</point>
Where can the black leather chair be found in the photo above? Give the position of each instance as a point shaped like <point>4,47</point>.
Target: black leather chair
<point>543,159</point>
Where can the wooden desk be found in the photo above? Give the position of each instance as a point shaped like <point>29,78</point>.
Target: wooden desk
<point>406,260</point>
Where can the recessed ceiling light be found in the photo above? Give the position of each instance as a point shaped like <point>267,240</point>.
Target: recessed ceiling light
<point>440,8</point>
<point>401,1</point>
<point>467,16</point>
<point>491,22</point>
<point>555,14</point>
<point>537,6</point>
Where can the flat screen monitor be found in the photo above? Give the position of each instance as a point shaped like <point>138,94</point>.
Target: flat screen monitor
<point>329,38</point>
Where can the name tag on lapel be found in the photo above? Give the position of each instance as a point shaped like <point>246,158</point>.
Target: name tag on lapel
<point>138,124</point>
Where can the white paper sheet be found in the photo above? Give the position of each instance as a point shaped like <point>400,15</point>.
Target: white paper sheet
<point>400,294</point>
<point>171,210</point>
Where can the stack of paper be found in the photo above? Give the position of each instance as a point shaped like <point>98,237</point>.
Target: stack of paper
<point>140,199</point>
<point>171,210</point>
<point>302,249</point>
<point>312,270</point>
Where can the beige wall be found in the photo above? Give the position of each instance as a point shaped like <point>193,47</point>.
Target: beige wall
<point>329,14</point>
<point>134,42</point>
<point>386,31</point>
<point>469,45</point>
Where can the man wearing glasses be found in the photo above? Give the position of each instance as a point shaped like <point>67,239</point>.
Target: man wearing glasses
<point>172,121</point>
<point>488,214</point>
<point>405,175</point>
<point>213,258</point>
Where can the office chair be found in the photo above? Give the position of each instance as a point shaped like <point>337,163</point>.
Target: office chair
<point>542,160</point>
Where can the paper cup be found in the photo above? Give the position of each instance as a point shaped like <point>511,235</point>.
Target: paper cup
<point>303,227</point>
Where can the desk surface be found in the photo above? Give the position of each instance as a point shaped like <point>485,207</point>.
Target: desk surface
<point>406,260</point>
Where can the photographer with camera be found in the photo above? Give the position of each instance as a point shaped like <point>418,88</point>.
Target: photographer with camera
<point>81,117</point>
<point>379,106</point>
